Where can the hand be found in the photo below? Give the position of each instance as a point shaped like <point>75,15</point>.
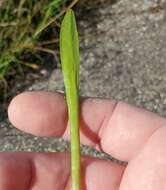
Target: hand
<point>123,131</point>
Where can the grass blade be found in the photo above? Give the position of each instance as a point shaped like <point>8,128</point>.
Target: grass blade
<point>69,53</point>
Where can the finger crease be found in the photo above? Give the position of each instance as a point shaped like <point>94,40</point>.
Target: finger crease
<point>66,184</point>
<point>106,120</point>
<point>32,175</point>
<point>147,140</point>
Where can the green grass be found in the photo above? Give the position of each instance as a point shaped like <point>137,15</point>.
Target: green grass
<point>24,26</point>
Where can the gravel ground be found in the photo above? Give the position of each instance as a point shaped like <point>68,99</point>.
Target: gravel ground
<point>123,56</point>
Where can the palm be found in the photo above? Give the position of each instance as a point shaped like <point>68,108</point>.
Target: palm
<point>126,132</point>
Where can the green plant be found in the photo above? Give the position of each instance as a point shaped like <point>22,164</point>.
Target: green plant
<point>70,60</point>
<point>23,23</point>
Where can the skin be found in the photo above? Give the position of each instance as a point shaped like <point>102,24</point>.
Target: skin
<point>126,132</point>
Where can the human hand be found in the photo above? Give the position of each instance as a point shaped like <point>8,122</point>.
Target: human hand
<point>123,131</point>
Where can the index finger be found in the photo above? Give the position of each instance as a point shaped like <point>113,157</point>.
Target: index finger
<point>116,128</point>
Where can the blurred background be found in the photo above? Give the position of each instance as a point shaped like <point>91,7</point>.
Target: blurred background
<point>123,56</point>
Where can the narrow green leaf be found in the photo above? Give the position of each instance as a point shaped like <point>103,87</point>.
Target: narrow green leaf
<point>70,61</point>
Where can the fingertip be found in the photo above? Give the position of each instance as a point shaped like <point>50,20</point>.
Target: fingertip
<point>39,113</point>
<point>13,109</point>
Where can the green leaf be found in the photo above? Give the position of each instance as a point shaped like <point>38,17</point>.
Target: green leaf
<point>70,61</point>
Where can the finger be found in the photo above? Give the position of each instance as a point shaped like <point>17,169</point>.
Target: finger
<point>39,113</point>
<point>147,171</point>
<point>37,171</point>
<point>45,114</point>
<point>118,129</point>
